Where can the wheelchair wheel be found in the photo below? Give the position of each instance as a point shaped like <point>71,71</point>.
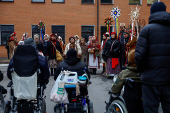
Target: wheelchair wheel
<point>43,106</point>
<point>117,107</point>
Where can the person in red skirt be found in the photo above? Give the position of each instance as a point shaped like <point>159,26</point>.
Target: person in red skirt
<point>111,54</point>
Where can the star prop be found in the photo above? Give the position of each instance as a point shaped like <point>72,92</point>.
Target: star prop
<point>134,14</point>
<point>108,21</point>
<point>41,25</point>
<point>115,12</point>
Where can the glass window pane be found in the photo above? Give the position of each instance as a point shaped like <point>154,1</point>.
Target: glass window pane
<point>4,37</point>
<point>134,1</point>
<point>37,0</point>
<point>87,1</point>
<point>87,31</point>
<point>106,1</point>
<point>57,0</point>
<point>87,28</point>
<point>86,35</point>
<point>60,30</point>
<point>151,1</point>
<point>7,28</point>
<point>104,30</point>
<point>35,30</point>
<point>7,0</point>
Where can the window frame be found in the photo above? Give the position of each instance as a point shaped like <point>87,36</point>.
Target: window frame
<point>35,32</point>
<point>151,4</point>
<point>136,3</point>
<point>32,1</point>
<point>60,32</point>
<point>6,1</point>
<point>58,2</point>
<point>106,3</point>
<point>88,32</point>
<point>3,31</point>
<point>89,3</point>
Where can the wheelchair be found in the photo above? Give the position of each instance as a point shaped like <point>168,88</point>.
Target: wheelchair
<point>26,91</point>
<point>79,103</point>
<point>3,91</point>
<point>131,101</point>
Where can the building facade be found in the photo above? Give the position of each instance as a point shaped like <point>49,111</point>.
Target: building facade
<point>65,17</point>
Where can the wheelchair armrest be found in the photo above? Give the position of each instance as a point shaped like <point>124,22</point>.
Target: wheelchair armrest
<point>10,83</point>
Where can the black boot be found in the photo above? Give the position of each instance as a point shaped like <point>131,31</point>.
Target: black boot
<point>54,70</point>
<point>52,73</point>
<point>94,71</point>
<point>103,69</point>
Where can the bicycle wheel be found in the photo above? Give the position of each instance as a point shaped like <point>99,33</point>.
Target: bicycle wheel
<point>117,107</point>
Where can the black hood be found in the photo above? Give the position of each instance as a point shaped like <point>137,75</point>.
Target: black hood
<point>72,61</point>
<point>161,17</point>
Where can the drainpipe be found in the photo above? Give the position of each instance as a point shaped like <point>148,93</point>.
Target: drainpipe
<point>98,19</point>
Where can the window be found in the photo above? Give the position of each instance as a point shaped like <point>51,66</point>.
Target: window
<point>150,2</point>
<point>6,31</point>
<point>60,30</point>
<point>135,2</point>
<point>35,30</point>
<point>87,31</point>
<point>6,0</point>
<point>104,30</point>
<point>87,1</point>
<point>37,0</point>
<point>58,1</point>
<point>106,1</point>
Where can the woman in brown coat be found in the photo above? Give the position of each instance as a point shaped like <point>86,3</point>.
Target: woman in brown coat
<point>12,43</point>
<point>84,49</point>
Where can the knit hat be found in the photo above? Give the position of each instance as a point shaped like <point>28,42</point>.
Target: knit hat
<point>71,38</point>
<point>52,35</point>
<point>157,6</point>
<point>71,53</point>
<point>29,41</point>
<point>114,33</point>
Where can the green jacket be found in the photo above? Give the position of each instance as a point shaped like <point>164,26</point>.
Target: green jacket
<point>130,72</point>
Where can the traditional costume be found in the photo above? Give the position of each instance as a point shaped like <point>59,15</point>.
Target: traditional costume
<point>12,43</point>
<point>94,53</point>
<point>84,51</point>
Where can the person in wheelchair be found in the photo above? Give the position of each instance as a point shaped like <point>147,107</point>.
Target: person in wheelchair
<point>133,91</point>
<point>29,73</point>
<point>26,60</point>
<point>74,64</point>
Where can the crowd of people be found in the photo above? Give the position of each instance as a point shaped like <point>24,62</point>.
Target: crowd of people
<point>147,54</point>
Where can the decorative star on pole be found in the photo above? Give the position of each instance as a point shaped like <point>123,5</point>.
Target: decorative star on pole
<point>108,21</point>
<point>41,25</point>
<point>134,13</point>
<point>115,12</point>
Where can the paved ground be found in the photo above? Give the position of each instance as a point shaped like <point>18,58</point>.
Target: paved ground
<point>98,91</point>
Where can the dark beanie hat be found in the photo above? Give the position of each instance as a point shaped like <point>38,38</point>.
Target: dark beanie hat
<point>71,38</point>
<point>157,6</point>
<point>71,53</point>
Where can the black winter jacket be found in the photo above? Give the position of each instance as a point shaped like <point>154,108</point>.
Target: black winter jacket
<point>51,49</point>
<point>39,46</point>
<point>153,50</point>
<point>72,64</point>
<point>115,52</point>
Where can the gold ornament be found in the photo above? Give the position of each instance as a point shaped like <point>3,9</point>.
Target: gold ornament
<point>134,14</point>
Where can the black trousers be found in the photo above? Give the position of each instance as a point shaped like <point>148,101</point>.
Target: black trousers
<point>153,95</point>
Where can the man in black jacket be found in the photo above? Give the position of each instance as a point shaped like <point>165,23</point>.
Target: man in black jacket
<point>72,63</point>
<point>153,60</point>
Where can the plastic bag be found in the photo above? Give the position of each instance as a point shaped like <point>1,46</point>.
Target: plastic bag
<point>58,93</point>
<point>25,87</point>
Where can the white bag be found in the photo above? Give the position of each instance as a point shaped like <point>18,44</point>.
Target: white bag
<point>25,87</point>
<point>58,93</point>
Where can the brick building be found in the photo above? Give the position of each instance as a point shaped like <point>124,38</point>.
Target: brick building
<point>65,17</point>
